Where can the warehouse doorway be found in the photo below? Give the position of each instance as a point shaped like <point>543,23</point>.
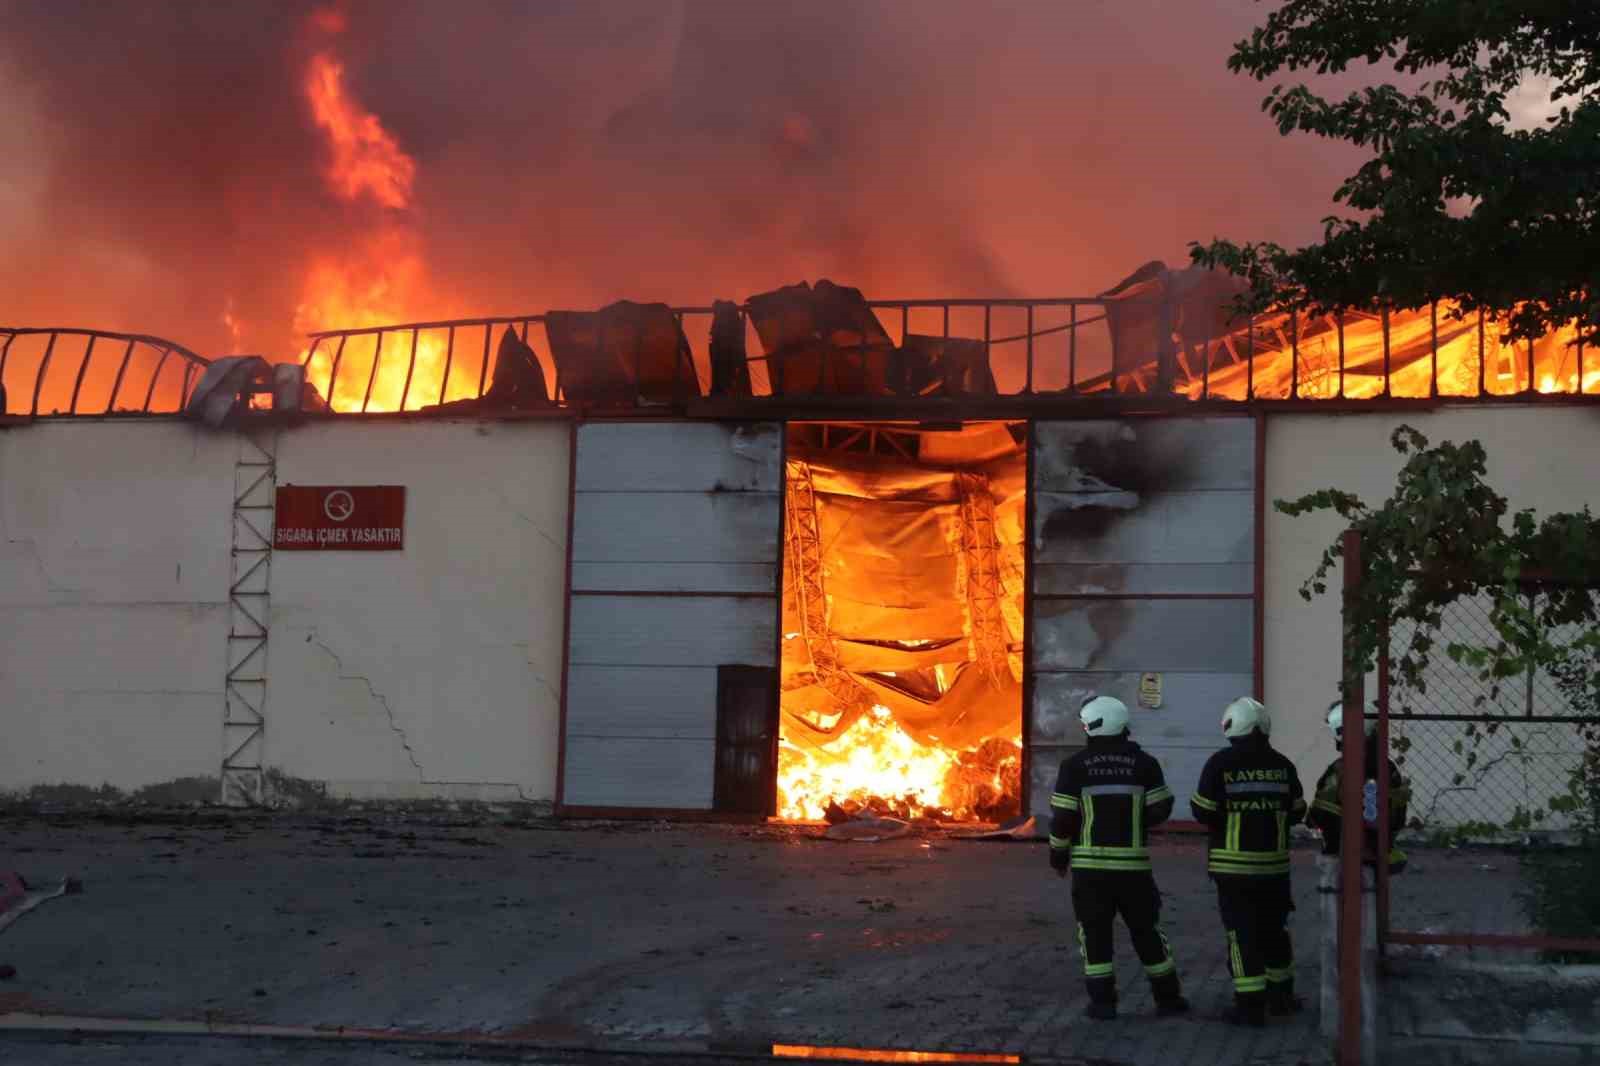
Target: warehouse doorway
<point>902,618</point>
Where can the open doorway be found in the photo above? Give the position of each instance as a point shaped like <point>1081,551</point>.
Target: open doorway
<point>902,639</point>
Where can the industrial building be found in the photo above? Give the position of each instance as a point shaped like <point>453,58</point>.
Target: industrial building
<point>746,560</point>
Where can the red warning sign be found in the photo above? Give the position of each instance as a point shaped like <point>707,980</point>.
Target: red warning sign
<point>340,518</point>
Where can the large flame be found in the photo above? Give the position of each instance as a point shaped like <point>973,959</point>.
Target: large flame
<point>364,160</point>
<point>1469,360</point>
<point>375,284</point>
<point>876,766</point>
<point>383,277</point>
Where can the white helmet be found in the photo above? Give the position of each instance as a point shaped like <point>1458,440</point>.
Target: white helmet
<point>1103,716</point>
<point>1336,722</point>
<point>1243,716</point>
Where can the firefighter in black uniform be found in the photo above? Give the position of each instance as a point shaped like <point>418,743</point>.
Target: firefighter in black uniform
<point>1325,805</point>
<point>1106,797</point>
<point>1249,796</point>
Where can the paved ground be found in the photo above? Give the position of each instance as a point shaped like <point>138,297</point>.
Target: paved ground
<point>659,937</point>
<point>125,1050</point>
<point>103,1050</point>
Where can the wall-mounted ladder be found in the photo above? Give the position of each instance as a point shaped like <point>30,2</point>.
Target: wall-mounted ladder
<point>244,719</point>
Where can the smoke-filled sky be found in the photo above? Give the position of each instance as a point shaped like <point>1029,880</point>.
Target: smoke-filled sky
<point>163,167</point>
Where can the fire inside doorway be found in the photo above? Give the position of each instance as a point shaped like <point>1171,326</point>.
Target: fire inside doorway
<point>902,621</point>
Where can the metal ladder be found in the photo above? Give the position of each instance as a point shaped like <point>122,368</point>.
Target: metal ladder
<point>244,720</point>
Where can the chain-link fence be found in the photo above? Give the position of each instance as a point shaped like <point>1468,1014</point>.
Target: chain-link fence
<point>1482,758</point>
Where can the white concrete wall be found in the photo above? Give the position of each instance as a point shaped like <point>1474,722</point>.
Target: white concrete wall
<point>436,670</point>
<point>1537,457</point>
<point>113,602</point>
<point>432,671</point>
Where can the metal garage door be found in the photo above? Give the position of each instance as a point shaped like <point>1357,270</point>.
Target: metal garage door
<point>1143,567</point>
<point>675,547</point>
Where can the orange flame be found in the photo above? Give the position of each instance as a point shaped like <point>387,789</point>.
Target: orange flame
<point>875,764</point>
<point>384,277</point>
<point>372,285</point>
<point>365,158</point>
<point>856,1054</point>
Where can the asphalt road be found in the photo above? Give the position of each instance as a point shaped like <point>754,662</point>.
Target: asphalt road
<point>67,1049</point>
<point>662,937</point>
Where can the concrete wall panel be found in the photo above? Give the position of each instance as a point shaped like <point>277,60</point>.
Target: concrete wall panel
<point>665,508</point>
<point>679,457</point>
<point>674,577</point>
<point>667,632</point>
<point>1143,559</point>
<point>435,670</point>
<point>643,701</point>
<point>113,586</point>
<point>1200,636</point>
<point>631,772</point>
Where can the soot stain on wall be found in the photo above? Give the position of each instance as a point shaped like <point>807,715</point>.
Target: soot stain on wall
<point>1119,470</point>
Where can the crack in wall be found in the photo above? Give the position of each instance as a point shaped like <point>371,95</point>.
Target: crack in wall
<point>535,526</point>
<point>378,697</point>
<point>555,693</point>
<point>538,677</point>
<point>30,549</point>
<point>399,731</point>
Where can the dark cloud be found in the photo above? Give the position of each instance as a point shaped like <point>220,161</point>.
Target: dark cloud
<point>573,153</point>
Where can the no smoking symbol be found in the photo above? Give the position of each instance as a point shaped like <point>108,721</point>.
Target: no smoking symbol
<point>338,505</point>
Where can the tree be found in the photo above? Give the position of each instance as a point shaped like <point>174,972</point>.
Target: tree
<point>1455,204</point>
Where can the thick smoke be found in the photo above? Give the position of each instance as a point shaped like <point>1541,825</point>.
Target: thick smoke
<point>162,166</point>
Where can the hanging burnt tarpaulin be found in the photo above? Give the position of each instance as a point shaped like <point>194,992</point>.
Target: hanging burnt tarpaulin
<point>898,596</point>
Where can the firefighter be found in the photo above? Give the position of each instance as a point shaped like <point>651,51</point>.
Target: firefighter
<point>1325,808</point>
<point>1107,796</point>
<point>1249,796</point>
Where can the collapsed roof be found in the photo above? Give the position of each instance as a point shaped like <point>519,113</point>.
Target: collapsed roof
<point>1168,332</point>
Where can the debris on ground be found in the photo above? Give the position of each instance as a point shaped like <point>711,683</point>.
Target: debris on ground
<point>868,830</point>
<point>14,906</point>
<point>1014,829</point>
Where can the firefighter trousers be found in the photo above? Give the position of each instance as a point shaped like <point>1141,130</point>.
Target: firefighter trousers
<point>1098,896</point>
<point>1255,916</point>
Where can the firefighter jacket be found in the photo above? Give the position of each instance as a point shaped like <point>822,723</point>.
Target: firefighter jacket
<point>1326,808</point>
<point>1249,796</point>
<point>1106,797</point>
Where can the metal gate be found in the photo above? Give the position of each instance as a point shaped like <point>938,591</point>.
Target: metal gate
<point>675,542</point>
<point>1144,540</point>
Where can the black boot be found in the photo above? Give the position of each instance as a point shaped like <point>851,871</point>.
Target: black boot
<point>1249,1008</point>
<point>1102,998</point>
<point>1168,994</point>
<point>1281,1000</point>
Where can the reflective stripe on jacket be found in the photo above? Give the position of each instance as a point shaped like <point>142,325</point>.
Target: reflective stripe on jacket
<point>1249,795</point>
<point>1107,797</point>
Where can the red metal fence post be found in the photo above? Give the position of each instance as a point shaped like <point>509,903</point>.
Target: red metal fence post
<point>1350,825</point>
<point>1380,774</point>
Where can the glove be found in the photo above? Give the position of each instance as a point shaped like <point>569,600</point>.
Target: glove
<point>1061,860</point>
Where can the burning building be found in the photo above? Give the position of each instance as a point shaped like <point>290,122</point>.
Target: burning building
<point>787,554</point>
<point>797,556</point>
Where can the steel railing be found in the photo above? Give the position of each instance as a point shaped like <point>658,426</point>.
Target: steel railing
<point>53,371</point>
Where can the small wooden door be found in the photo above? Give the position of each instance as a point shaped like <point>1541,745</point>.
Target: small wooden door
<point>747,740</point>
